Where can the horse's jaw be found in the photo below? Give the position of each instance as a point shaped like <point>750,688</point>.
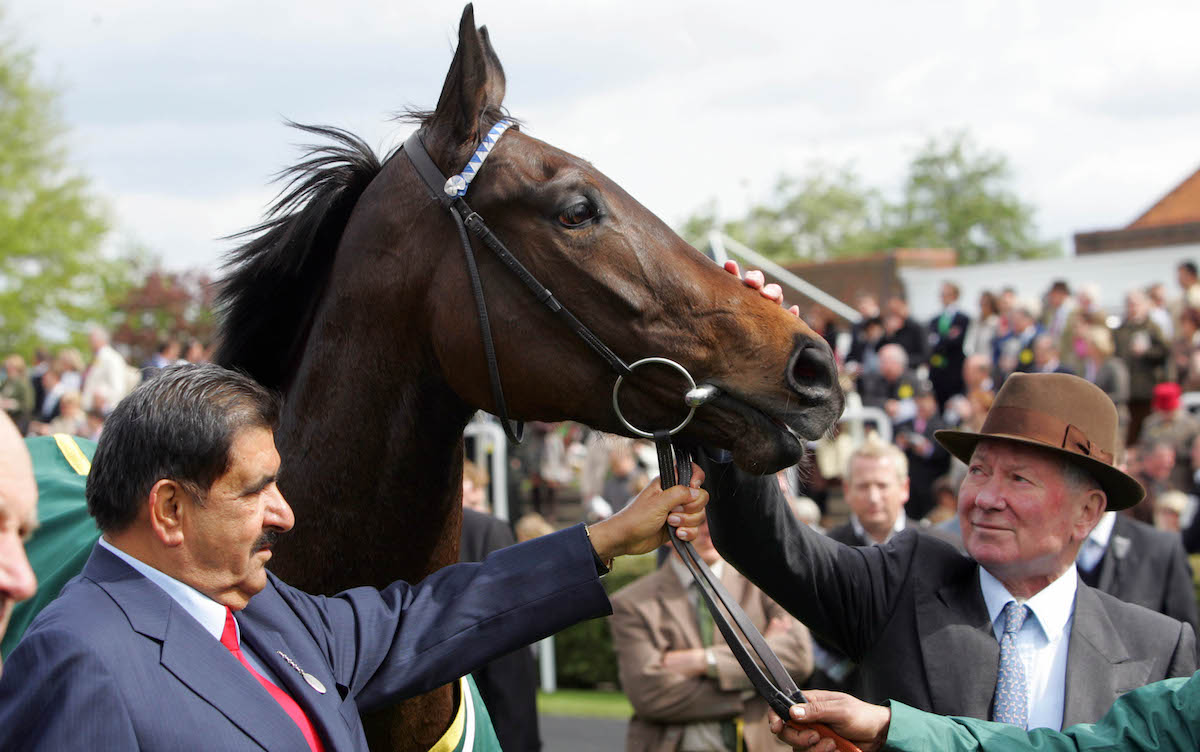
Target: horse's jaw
<point>762,436</point>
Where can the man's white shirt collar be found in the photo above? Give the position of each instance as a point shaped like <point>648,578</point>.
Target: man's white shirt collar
<point>1094,546</point>
<point>203,609</point>
<point>1103,529</point>
<point>861,532</point>
<point>1053,605</point>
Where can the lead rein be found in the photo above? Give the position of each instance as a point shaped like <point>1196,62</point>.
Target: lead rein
<point>779,689</point>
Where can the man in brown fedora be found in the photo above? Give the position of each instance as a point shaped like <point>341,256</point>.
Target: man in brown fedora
<point>1007,633</point>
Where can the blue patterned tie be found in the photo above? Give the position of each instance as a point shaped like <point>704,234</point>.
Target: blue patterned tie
<point>1012,704</point>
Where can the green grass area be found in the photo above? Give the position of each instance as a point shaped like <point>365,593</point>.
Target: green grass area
<point>584,703</point>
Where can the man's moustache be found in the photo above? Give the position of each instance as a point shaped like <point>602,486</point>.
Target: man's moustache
<point>266,540</point>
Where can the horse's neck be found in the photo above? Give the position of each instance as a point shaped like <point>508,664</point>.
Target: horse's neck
<point>376,482</point>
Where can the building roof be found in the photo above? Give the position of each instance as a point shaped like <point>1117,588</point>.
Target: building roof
<point>1173,220</point>
<point>1179,206</point>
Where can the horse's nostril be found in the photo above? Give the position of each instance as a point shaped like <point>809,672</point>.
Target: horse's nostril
<point>812,372</point>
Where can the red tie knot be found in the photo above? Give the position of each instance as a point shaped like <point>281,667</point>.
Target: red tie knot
<point>229,637</point>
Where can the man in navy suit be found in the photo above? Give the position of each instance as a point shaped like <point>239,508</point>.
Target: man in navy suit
<point>143,650</point>
<point>947,333</point>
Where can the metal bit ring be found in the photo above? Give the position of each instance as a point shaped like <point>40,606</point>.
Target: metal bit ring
<point>647,361</point>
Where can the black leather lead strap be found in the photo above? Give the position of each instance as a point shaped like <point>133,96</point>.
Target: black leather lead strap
<point>778,689</point>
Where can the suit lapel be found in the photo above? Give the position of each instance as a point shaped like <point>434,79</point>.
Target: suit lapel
<point>192,655</point>
<point>673,596</point>
<point>950,625</point>
<point>1094,656</point>
<point>213,673</point>
<point>323,709</point>
<point>1116,559</point>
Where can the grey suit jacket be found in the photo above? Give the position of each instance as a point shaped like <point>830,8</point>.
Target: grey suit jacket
<point>911,613</point>
<point>1149,567</point>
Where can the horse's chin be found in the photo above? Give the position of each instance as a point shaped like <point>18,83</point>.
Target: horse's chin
<point>764,441</point>
<point>767,454</point>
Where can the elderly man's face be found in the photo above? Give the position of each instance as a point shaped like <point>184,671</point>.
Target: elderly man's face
<point>18,518</point>
<point>228,539</point>
<point>1019,517</point>
<point>891,362</point>
<point>876,493</point>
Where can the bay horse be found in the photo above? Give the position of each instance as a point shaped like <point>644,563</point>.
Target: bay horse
<point>351,298</point>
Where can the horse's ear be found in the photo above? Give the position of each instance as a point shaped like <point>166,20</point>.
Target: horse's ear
<point>474,84</point>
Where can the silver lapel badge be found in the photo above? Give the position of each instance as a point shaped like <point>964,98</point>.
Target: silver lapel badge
<point>313,681</point>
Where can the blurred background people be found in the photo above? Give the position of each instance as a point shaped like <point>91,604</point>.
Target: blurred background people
<point>16,392</point>
<point>947,339</point>
<point>1141,345</point>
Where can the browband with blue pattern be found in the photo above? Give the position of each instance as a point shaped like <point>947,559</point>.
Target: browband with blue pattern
<point>457,186</point>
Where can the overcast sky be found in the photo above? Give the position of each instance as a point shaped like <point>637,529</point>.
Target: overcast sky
<point>176,109</point>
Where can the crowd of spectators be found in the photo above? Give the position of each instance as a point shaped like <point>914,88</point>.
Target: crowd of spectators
<point>64,393</point>
<point>944,373</point>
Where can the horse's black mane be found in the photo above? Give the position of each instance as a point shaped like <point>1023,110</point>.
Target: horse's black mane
<point>276,278</point>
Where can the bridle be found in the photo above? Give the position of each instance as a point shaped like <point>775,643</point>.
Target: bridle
<point>675,463</point>
<point>450,193</point>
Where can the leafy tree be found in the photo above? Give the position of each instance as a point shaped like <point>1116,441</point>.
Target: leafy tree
<point>53,276</point>
<point>957,196</point>
<point>164,304</point>
<point>825,213</point>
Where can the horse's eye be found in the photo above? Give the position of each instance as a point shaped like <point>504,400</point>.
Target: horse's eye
<point>577,214</point>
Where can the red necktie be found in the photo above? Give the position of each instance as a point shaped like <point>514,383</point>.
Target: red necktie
<point>229,639</point>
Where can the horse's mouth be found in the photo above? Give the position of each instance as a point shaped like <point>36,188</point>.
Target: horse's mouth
<point>763,439</point>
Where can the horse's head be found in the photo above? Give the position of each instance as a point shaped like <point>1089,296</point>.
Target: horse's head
<point>627,276</point>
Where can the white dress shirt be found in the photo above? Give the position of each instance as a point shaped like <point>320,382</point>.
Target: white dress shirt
<point>107,380</point>
<point>203,609</point>
<point>861,532</point>
<point>1042,641</point>
<point>1094,546</point>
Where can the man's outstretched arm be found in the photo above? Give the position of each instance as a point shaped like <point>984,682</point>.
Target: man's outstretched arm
<point>1164,715</point>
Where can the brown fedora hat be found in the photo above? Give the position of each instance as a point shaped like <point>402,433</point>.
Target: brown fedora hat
<point>1062,414</point>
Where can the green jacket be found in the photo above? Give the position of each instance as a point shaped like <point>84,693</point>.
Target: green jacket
<point>1161,716</point>
<point>66,533</point>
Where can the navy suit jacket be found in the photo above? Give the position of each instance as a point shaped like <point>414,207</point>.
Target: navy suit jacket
<point>116,663</point>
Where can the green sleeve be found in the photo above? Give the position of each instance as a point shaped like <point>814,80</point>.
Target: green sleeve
<point>1164,715</point>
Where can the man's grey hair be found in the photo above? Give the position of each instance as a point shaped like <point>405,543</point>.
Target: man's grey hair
<point>1077,478</point>
<point>876,448</point>
<point>894,352</point>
